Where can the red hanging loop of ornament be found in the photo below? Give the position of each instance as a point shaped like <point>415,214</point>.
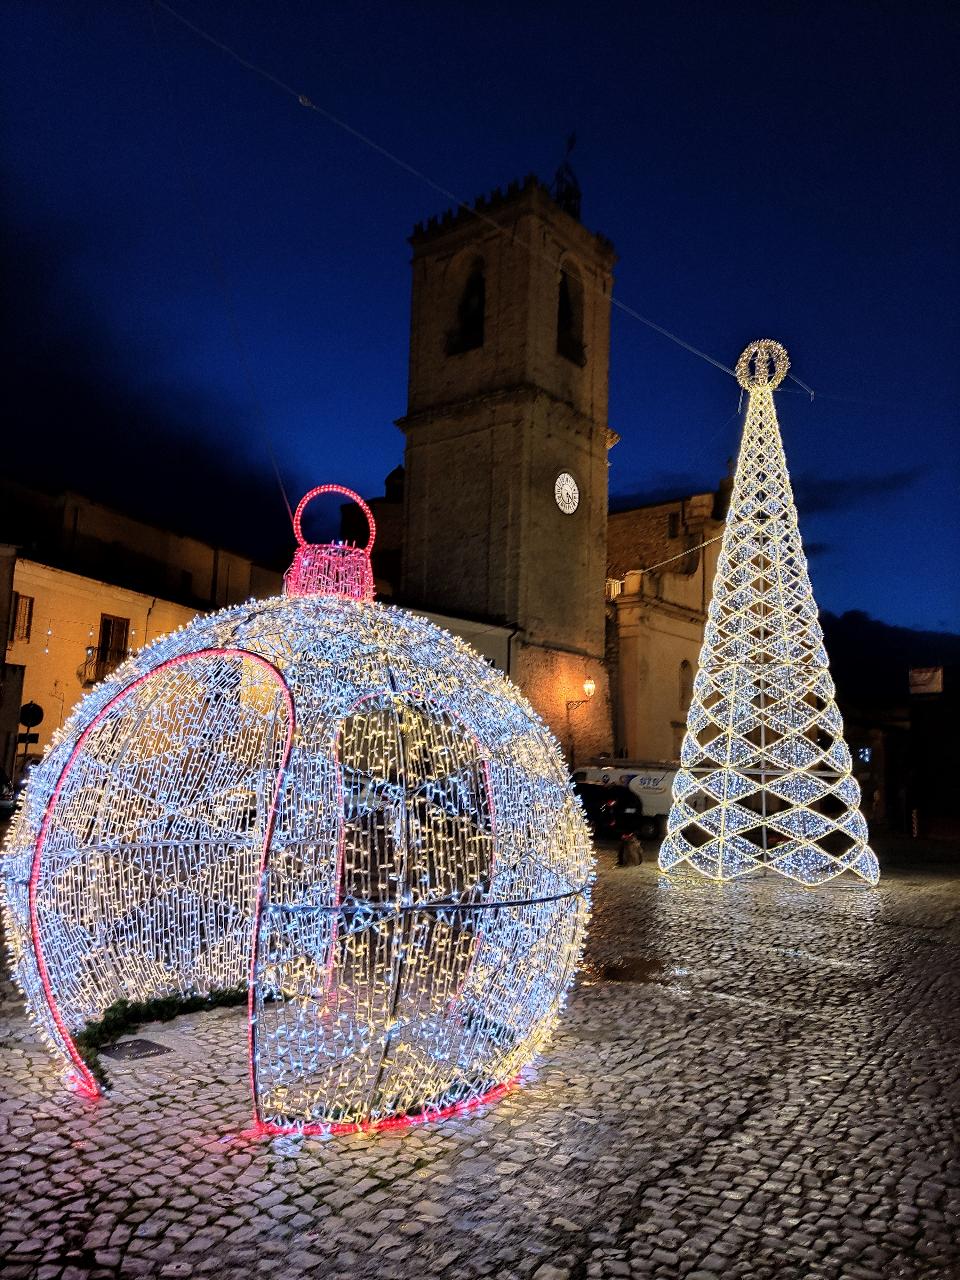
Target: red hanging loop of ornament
<point>331,568</point>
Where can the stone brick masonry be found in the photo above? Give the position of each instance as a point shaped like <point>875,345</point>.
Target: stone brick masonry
<point>751,1081</point>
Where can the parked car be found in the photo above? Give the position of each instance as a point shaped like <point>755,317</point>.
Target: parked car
<point>611,811</point>
<point>652,784</point>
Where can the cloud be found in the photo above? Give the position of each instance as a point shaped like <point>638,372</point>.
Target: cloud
<point>815,494</point>
<point>815,549</point>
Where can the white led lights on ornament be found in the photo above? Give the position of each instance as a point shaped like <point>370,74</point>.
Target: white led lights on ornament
<point>330,803</point>
<point>765,778</point>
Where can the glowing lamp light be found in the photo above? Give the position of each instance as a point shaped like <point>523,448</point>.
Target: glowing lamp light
<point>334,805</point>
<point>589,686</point>
<point>765,774</point>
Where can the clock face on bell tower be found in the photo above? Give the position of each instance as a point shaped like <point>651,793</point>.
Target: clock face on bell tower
<point>506,424</point>
<point>566,493</point>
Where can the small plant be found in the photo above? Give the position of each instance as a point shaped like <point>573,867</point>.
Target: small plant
<point>124,1016</point>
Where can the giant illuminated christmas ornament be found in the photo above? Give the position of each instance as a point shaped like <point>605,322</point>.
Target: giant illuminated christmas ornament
<point>327,802</point>
<point>765,777</point>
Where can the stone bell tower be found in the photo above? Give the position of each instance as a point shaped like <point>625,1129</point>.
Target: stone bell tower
<point>507,438</point>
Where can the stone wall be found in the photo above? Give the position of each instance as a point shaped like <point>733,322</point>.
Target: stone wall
<point>647,535</point>
<point>552,679</point>
<point>484,535</point>
<point>489,429</point>
<point>523,240</point>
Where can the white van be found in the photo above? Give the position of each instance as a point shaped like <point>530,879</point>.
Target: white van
<point>651,783</point>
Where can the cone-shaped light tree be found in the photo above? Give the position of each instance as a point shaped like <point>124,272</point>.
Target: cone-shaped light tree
<point>765,777</point>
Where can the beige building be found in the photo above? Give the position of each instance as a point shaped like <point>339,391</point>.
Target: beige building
<point>72,532</point>
<point>81,588</point>
<point>68,632</point>
<point>658,616</point>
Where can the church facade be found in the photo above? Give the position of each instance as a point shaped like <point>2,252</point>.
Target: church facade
<point>499,517</point>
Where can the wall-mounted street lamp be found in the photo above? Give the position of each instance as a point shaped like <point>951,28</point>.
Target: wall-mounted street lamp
<point>589,689</point>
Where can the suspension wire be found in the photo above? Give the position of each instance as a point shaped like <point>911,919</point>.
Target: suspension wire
<point>861,400</point>
<point>218,271</point>
<point>454,199</point>
<point>304,101</point>
<point>689,551</point>
<point>383,151</point>
<point>657,328</point>
<point>794,378</point>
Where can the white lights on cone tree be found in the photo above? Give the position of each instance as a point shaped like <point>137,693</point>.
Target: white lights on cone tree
<point>765,777</point>
<point>333,807</point>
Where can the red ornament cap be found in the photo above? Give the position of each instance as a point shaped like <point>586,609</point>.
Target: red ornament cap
<point>331,568</point>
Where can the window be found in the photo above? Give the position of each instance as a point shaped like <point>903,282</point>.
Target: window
<point>112,645</point>
<point>673,524</point>
<point>686,686</point>
<point>467,334</point>
<point>21,618</point>
<point>570,318</point>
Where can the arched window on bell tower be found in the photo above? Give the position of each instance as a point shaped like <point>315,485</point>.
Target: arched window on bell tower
<point>467,332</point>
<point>570,316</point>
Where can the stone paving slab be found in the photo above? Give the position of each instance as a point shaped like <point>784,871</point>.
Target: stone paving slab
<point>751,1080</point>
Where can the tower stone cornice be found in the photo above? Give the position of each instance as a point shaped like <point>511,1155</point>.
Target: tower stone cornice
<point>491,213</point>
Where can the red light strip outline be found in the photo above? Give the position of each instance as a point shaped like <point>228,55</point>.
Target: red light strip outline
<point>264,1128</point>
<point>262,877</point>
<point>347,493</point>
<point>260,1126</point>
<point>86,1084</point>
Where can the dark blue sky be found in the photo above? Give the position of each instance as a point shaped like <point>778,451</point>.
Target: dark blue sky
<point>196,260</point>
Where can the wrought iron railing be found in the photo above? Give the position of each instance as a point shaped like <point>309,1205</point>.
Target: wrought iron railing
<point>98,665</point>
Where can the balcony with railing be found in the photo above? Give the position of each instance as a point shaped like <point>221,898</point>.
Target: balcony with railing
<point>99,663</point>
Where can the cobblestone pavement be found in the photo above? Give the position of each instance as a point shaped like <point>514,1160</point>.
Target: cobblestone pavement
<point>751,1081</point>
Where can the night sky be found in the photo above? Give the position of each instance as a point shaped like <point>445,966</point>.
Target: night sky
<point>196,264</point>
